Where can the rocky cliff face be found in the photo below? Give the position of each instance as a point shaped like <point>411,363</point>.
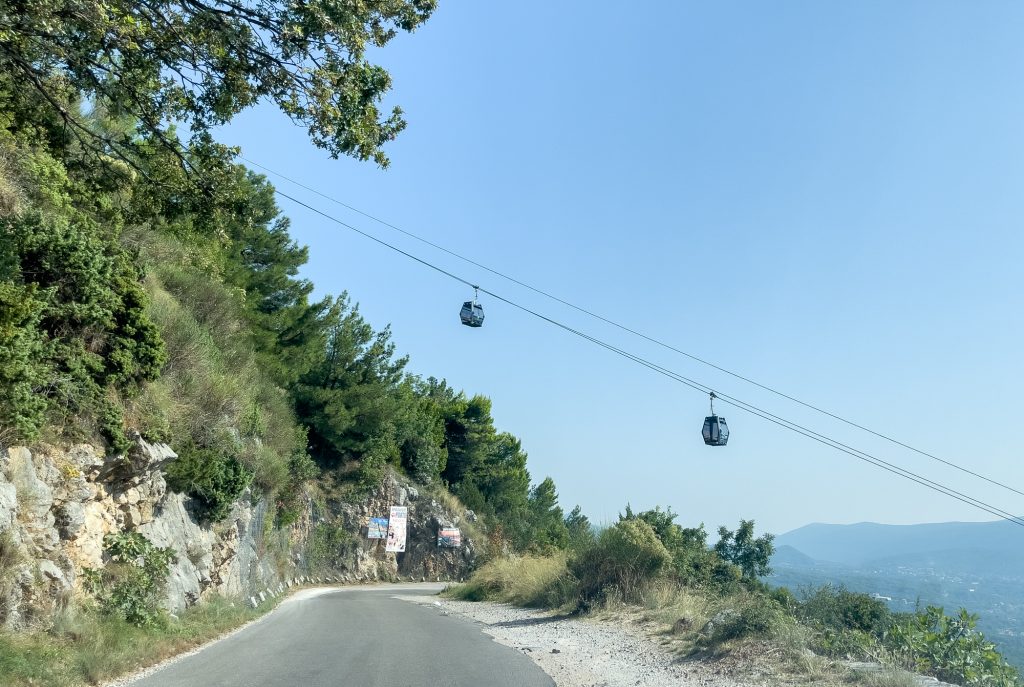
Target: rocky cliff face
<point>57,504</point>
<point>422,559</point>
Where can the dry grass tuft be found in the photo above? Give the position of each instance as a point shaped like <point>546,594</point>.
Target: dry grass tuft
<point>531,581</point>
<point>882,678</point>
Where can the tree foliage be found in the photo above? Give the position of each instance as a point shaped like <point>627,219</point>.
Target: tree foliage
<point>693,563</point>
<point>579,530</point>
<point>751,554</point>
<point>130,301</point>
<point>348,396</point>
<point>201,62</point>
<point>74,307</point>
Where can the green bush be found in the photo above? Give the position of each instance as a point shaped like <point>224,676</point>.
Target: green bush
<point>130,585</point>
<point>693,563</point>
<point>382,451</point>
<point>74,321</point>
<point>760,616</point>
<point>784,598</point>
<point>624,559</point>
<point>841,609</point>
<point>22,410</point>
<point>949,648</point>
<point>214,479</point>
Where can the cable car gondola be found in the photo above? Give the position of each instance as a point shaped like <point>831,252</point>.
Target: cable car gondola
<point>472,313</point>
<point>715,431</point>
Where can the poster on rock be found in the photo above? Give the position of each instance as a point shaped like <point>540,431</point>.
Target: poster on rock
<point>396,529</point>
<point>449,537</point>
<point>377,528</point>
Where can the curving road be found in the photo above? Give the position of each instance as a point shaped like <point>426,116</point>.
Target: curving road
<point>355,637</point>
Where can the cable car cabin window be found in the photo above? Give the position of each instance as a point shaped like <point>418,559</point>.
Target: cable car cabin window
<point>715,431</point>
<point>710,431</point>
<point>472,314</point>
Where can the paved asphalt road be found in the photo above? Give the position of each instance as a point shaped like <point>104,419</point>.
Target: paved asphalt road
<point>355,637</point>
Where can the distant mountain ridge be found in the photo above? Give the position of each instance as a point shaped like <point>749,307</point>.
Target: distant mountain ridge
<point>859,544</point>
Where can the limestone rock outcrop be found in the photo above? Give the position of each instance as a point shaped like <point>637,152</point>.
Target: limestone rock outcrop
<point>58,503</point>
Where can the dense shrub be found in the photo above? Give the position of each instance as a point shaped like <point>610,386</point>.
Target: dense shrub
<point>131,584</point>
<point>22,410</point>
<point>841,609</point>
<point>948,647</point>
<point>625,558</point>
<point>758,616</point>
<point>75,327</point>
<point>212,478</point>
<point>696,565</point>
<point>301,469</point>
<point>844,623</point>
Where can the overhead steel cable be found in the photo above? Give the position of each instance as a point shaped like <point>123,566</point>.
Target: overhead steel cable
<point>782,422</point>
<point>639,334</point>
<point>693,384</point>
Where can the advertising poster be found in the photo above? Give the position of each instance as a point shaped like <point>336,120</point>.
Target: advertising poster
<point>377,529</point>
<point>449,537</point>
<point>396,529</point>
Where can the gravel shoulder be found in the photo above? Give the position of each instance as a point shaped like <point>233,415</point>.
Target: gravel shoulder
<point>579,652</point>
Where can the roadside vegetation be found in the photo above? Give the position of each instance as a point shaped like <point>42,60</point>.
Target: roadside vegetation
<point>148,283</point>
<point>120,626</point>
<point>705,600</point>
<point>86,646</point>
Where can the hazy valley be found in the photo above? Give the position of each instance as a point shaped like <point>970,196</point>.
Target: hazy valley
<point>979,566</point>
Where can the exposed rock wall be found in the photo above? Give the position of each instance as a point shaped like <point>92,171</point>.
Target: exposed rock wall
<point>422,558</point>
<point>57,504</point>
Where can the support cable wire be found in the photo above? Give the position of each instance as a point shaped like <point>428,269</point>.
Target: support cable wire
<point>639,334</point>
<point>780,421</point>
<point>693,384</point>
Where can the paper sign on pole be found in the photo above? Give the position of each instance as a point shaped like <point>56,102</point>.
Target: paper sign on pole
<point>377,529</point>
<point>396,529</point>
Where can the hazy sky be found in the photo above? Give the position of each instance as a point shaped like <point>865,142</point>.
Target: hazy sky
<point>823,196</point>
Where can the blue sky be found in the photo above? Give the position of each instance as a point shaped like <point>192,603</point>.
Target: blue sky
<point>823,196</point>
